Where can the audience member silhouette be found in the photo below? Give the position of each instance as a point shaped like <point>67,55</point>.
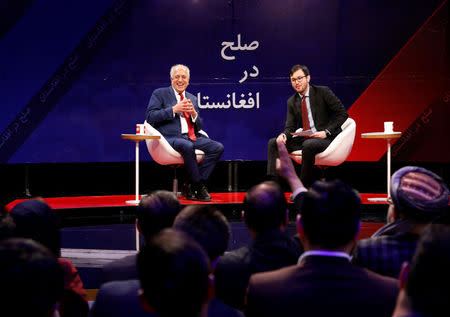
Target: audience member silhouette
<point>265,214</point>
<point>424,284</point>
<point>34,219</point>
<point>155,211</point>
<point>324,282</point>
<point>418,197</point>
<point>118,297</point>
<point>31,279</point>
<point>209,228</point>
<point>174,274</point>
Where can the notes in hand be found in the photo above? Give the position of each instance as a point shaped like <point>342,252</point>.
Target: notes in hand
<point>303,133</point>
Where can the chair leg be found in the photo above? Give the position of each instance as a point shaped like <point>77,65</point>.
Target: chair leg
<point>175,182</point>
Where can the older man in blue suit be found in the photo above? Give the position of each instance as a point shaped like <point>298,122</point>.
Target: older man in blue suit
<point>174,112</point>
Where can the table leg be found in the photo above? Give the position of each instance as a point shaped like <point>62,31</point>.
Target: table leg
<point>137,239</point>
<point>137,171</point>
<point>384,199</point>
<point>136,199</point>
<point>388,169</point>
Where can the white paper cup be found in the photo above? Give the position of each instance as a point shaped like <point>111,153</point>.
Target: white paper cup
<point>140,129</point>
<point>389,127</point>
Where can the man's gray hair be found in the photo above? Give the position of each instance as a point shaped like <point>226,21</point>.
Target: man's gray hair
<point>172,70</point>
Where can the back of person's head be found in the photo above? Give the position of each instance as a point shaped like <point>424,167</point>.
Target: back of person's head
<point>330,214</point>
<point>265,207</point>
<point>35,220</point>
<point>207,225</point>
<point>174,274</point>
<point>30,277</point>
<point>418,193</point>
<point>7,226</point>
<point>157,211</point>
<point>428,279</point>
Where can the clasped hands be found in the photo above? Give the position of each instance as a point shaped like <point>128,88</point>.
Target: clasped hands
<point>185,106</point>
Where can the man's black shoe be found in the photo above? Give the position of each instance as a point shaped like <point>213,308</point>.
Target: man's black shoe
<point>202,192</point>
<point>189,192</point>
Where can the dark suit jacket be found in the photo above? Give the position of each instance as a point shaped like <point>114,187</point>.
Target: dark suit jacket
<point>268,251</point>
<point>121,269</point>
<point>120,299</point>
<point>160,115</point>
<point>321,286</point>
<point>327,110</point>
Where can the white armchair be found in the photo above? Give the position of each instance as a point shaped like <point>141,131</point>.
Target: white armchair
<point>337,151</point>
<point>163,153</point>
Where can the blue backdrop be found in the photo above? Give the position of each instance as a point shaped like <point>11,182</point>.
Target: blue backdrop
<point>239,53</point>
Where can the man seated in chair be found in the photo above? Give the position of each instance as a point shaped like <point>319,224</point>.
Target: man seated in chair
<point>174,112</point>
<point>314,108</point>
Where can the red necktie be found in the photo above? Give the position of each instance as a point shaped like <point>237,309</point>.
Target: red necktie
<point>305,118</point>
<point>187,116</point>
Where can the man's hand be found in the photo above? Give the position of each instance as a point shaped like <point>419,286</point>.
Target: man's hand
<point>319,134</point>
<point>285,168</point>
<point>282,138</point>
<point>185,106</point>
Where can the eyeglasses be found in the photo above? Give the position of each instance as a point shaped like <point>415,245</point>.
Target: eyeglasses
<point>294,80</point>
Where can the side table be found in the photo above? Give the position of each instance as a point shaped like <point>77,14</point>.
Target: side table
<point>137,138</point>
<point>388,136</point>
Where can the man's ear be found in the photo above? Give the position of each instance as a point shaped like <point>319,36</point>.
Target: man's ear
<point>144,303</point>
<point>211,287</point>
<point>358,231</point>
<point>300,229</point>
<point>403,276</point>
<point>392,214</point>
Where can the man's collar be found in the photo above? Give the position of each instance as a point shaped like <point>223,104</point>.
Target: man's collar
<point>336,254</point>
<point>176,93</point>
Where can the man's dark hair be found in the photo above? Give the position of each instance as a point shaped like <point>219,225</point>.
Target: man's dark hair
<point>173,271</point>
<point>157,211</point>
<point>296,68</point>
<point>35,220</point>
<point>331,213</point>
<point>207,225</point>
<point>30,277</point>
<point>265,207</point>
<point>428,280</point>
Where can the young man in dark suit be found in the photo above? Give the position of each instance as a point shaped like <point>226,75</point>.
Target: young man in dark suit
<point>313,108</point>
<point>324,282</point>
<point>174,112</point>
<point>266,217</point>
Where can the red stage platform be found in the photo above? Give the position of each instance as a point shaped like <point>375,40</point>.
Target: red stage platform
<point>120,200</point>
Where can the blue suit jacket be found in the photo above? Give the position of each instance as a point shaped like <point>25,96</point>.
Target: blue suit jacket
<point>160,115</point>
